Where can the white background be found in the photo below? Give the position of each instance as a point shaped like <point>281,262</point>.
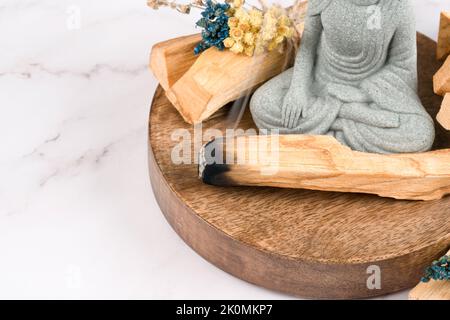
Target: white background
<point>77,215</point>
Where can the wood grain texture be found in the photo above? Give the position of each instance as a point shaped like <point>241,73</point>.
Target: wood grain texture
<point>443,47</point>
<point>322,163</point>
<point>433,290</point>
<point>219,77</point>
<point>441,79</point>
<point>443,117</point>
<point>305,243</point>
<point>169,60</point>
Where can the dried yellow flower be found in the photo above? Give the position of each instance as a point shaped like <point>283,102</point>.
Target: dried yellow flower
<point>276,11</point>
<point>253,31</point>
<point>249,38</point>
<point>284,21</point>
<point>233,22</point>
<point>279,39</point>
<point>238,3</point>
<point>229,42</point>
<point>237,48</point>
<point>236,33</point>
<point>242,15</point>
<point>269,27</point>
<point>244,26</point>
<point>284,31</point>
<point>249,50</point>
<point>256,18</point>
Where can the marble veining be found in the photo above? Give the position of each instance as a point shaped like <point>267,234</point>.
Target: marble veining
<point>33,68</point>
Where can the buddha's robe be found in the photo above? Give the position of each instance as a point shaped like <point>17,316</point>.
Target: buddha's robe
<point>354,78</point>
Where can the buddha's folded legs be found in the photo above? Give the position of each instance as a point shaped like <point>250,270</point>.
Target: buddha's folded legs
<point>366,126</point>
<point>363,126</point>
<point>414,133</point>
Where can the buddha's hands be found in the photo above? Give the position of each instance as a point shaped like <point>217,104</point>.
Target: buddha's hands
<point>291,110</point>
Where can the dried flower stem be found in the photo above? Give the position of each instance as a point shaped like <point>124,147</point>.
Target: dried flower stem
<point>183,8</point>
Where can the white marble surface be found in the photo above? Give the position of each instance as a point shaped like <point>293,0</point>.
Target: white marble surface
<point>77,214</point>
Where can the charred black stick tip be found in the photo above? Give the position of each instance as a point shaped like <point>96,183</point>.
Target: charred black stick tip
<point>209,171</point>
<point>215,174</point>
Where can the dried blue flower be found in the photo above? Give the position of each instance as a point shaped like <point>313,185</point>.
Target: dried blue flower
<point>214,23</point>
<point>439,270</point>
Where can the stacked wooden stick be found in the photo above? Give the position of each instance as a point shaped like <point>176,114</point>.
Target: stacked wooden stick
<point>442,78</point>
<point>433,290</point>
<point>439,290</point>
<point>199,86</point>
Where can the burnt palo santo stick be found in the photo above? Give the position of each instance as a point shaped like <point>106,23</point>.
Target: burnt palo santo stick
<point>322,163</point>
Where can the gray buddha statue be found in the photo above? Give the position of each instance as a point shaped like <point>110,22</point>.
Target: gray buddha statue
<point>354,78</point>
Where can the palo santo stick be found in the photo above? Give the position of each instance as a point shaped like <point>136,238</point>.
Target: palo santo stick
<point>443,45</point>
<point>433,290</point>
<point>322,163</point>
<point>441,80</point>
<point>169,60</point>
<point>219,77</point>
<point>443,117</point>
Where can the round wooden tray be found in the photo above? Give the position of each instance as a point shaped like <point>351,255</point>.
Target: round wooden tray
<point>305,243</point>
